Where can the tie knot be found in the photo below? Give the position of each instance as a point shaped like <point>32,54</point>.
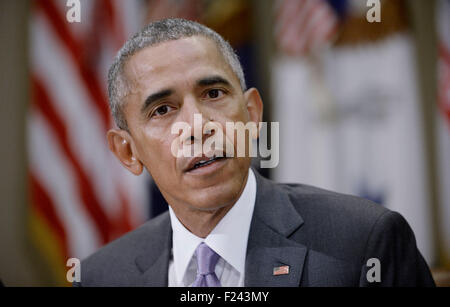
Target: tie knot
<point>206,259</point>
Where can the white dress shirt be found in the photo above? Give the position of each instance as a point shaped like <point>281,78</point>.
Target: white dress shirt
<point>228,239</point>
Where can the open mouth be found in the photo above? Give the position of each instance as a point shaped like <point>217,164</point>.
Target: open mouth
<point>206,162</point>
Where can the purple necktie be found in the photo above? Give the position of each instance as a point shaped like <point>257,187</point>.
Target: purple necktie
<point>206,264</point>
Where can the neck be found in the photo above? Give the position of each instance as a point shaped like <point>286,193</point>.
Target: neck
<point>201,222</point>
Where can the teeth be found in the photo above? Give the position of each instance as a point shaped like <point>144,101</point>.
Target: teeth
<point>204,162</point>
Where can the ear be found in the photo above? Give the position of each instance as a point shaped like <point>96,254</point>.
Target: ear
<point>121,144</point>
<point>254,106</point>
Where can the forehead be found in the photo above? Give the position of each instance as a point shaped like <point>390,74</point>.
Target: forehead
<point>177,59</point>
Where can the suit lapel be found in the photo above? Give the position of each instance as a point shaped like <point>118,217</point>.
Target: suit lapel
<point>274,220</point>
<point>153,261</point>
<point>262,261</point>
<point>156,275</point>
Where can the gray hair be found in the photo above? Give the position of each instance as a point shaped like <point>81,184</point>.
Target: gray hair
<point>152,34</point>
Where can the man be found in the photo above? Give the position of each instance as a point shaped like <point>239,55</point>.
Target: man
<point>227,225</point>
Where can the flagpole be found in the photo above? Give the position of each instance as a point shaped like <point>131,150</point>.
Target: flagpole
<point>423,28</point>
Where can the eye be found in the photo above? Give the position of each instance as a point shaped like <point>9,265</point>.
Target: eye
<point>161,110</point>
<point>214,93</point>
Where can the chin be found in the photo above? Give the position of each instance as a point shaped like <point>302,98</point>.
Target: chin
<point>217,196</point>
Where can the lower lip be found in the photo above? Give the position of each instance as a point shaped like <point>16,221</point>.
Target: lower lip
<point>208,169</point>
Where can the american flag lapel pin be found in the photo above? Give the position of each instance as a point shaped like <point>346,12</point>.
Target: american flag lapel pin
<point>281,270</point>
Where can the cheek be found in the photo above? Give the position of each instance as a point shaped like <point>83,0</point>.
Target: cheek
<point>231,134</point>
<point>155,147</point>
<point>232,111</point>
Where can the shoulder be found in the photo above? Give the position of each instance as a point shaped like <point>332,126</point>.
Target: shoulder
<point>132,242</point>
<point>342,232</point>
<point>340,225</point>
<point>316,203</point>
<point>118,257</point>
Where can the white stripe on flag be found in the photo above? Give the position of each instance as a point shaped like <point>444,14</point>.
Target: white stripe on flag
<point>85,130</point>
<point>55,174</point>
<point>303,25</point>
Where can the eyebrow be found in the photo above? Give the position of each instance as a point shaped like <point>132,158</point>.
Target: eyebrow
<point>208,81</point>
<point>212,81</point>
<point>153,98</point>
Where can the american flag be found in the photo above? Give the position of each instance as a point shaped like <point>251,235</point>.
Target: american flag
<point>302,26</point>
<point>281,270</point>
<point>444,81</point>
<point>81,198</point>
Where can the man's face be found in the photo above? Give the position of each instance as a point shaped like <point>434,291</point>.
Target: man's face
<point>169,83</point>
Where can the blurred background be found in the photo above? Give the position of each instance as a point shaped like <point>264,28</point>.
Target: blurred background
<point>363,107</point>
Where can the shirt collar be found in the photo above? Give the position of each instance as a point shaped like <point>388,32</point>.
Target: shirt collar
<point>228,239</point>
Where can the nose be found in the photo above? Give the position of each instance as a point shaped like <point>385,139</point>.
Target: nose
<point>193,114</point>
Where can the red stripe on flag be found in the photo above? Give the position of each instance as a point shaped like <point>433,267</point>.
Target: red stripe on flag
<point>85,71</point>
<point>444,53</point>
<point>42,202</point>
<point>89,198</point>
<point>444,82</point>
<point>116,27</point>
<point>290,11</point>
<point>303,25</point>
<point>305,32</point>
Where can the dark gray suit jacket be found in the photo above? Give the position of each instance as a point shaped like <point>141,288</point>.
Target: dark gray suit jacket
<point>325,238</point>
